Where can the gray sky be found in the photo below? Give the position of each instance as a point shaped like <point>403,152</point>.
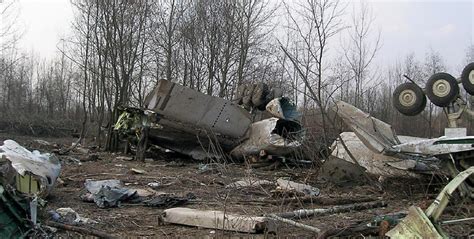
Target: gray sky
<point>44,23</point>
<point>406,26</point>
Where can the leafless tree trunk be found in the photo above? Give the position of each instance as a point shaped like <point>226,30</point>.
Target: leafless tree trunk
<point>315,23</point>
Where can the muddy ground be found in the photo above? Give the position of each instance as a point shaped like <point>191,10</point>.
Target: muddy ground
<point>181,175</point>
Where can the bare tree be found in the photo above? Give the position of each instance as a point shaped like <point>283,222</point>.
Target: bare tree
<point>361,49</point>
<point>469,54</point>
<point>315,23</point>
<point>433,64</point>
<point>9,32</point>
<point>167,16</point>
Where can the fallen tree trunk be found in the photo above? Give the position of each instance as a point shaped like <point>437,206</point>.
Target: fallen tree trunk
<point>313,200</point>
<point>296,224</point>
<point>88,231</point>
<point>304,213</point>
<point>350,231</point>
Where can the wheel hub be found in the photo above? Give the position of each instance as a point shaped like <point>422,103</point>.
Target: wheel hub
<point>407,98</point>
<point>471,77</point>
<point>441,88</point>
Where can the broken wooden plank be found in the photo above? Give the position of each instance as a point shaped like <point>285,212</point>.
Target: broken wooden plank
<point>218,220</point>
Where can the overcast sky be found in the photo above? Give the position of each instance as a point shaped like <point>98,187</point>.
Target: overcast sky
<point>406,26</point>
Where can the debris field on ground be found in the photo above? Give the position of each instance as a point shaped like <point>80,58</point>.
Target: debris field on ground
<point>251,195</point>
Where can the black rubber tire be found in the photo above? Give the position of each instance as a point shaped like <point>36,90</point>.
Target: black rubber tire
<point>449,97</point>
<point>466,82</point>
<point>419,99</point>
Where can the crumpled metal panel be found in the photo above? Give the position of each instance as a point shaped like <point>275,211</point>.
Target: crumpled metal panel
<point>263,135</point>
<point>379,136</point>
<point>203,126</point>
<point>190,107</point>
<point>283,109</point>
<point>375,163</point>
<point>45,167</point>
<point>436,146</point>
<point>376,134</point>
<point>419,224</point>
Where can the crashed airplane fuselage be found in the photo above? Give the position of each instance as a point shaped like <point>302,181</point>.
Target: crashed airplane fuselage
<point>202,126</point>
<point>378,149</point>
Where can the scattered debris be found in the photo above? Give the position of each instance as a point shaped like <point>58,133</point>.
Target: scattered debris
<point>392,218</point>
<point>287,185</point>
<point>342,173</point>
<point>25,177</point>
<point>249,182</point>
<point>392,155</point>
<point>92,157</point>
<point>35,173</point>
<point>42,142</point>
<point>69,216</point>
<point>137,171</point>
<point>12,215</point>
<point>107,193</point>
<point>154,185</point>
<point>145,193</point>
<point>350,231</point>
<point>167,201</point>
<point>93,186</point>
<point>204,168</point>
<point>218,220</point>
<point>81,150</point>
<point>125,158</point>
<point>88,231</point>
<point>72,159</point>
<point>296,224</point>
<point>305,213</point>
<point>419,224</point>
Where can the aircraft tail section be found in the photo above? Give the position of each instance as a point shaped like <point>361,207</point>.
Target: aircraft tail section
<point>377,135</point>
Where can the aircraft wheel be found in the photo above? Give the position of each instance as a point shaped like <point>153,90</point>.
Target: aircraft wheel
<point>442,89</point>
<point>467,78</point>
<point>409,99</point>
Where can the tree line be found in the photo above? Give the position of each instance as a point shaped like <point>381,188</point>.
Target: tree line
<point>119,49</point>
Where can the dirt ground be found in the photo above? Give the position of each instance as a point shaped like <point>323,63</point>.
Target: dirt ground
<point>181,175</point>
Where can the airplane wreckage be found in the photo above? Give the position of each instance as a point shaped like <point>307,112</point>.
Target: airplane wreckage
<point>187,121</point>
<point>380,151</point>
<point>262,122</point>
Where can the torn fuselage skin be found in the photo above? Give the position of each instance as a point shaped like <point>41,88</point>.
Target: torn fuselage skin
<point>202,126</point>
<point>446,154</point>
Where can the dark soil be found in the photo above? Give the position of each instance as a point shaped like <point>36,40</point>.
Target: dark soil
<point>183,176</point>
